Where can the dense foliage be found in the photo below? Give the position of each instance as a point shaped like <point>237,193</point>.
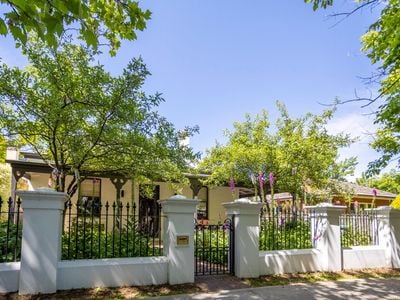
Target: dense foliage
<point>88,239</point>
<point>5,180</point>
<point>10,239</point>
<point>353,236</point>
<point>389,182</point>
<point>293,234</point>
<point>212,243</point>
<point>95,22</point>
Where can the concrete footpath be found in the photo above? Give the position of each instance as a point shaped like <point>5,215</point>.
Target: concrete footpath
<point>351,289</point>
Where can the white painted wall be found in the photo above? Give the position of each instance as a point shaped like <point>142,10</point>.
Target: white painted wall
<point>361,257</point>
<point>9,277</point>
<point>289,261</point>
<point>41,270</point>
<point>113,272</point>
<point>41,240</point>
<point>96,273</point>
<point>247,231</point>
<point>179,212</point>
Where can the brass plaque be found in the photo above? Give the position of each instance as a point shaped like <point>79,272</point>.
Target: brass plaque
<point>182,240</point>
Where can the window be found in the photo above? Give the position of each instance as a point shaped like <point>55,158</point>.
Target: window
<point>202,210</point>
<point>360,206</point>
<point>90,195</point>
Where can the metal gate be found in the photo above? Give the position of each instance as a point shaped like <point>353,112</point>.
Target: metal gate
<point>214,248</point>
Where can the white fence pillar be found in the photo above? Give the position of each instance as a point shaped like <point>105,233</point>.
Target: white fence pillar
<point>178,238</point>
<point>41,240</point>
<point>326,234</point>
<point>389,233</point>
<point>247,231</point>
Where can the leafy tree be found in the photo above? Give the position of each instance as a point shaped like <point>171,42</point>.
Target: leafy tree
<point>5,171</point>
<point>3,149</point>
<point>81,119</point>
<point>343,168</point>
<point>5,182</point>
<point>389,182</point>
<point>94,20</point>
<point>381,44</point>
<point>299,152</point>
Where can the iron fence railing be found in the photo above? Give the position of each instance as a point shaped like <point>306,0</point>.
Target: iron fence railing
<point>93,230</point>
<point>281,230</point>
<point>214,248</point>
<point>10,230</point>
<point>359,229</point>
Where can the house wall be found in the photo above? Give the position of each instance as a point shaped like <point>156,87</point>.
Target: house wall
<point>362,200</point>
<point>216,195</point>
<point>108,192</point>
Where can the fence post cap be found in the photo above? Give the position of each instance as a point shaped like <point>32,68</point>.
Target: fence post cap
<point>386,211</point>
<point>384,208</point>
<point>243,200</point>
<point>178,204</point>
<point>43,199</point>
<point>325,208</point>
<point>243,206</point>
<point>175,197</point>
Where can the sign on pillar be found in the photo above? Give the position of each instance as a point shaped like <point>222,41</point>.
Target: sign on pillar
<point>179,238</point>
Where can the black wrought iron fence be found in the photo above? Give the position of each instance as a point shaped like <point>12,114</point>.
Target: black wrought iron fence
<point>93,230</point>
<point>281,230</point>
<point>359,229</point>
<point>10,230</point>
<point>214,248</point>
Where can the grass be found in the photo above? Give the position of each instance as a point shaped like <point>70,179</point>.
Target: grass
<point>284,279</point>
<point>210,285</point>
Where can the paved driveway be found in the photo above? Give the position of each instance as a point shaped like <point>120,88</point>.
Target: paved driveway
<point>354,289</point>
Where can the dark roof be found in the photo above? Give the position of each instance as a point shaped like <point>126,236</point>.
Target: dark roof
<point>33,162</point>
<point>366,191</point>
<point>281,196</point>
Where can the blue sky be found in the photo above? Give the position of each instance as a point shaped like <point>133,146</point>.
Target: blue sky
<point>213,61</point>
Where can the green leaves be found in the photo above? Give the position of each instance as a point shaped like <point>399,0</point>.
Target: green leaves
<point>389,182</point>
<point>299,151</point>
<point>90,38</point>
<point>112,20</point>
<point>3,27</point>
<point>81,119</point>
<point>319,3</point>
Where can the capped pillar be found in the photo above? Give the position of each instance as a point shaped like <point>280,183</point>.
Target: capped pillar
<point>41,240</point>
<point>179,237</point>
<point>245,216</point>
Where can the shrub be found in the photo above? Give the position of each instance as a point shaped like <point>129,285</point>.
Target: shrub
<point>212,243</point>
<point>292,234</point>
<point>350,236</point>
<point>10,241</point>
<point>89,239</point>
